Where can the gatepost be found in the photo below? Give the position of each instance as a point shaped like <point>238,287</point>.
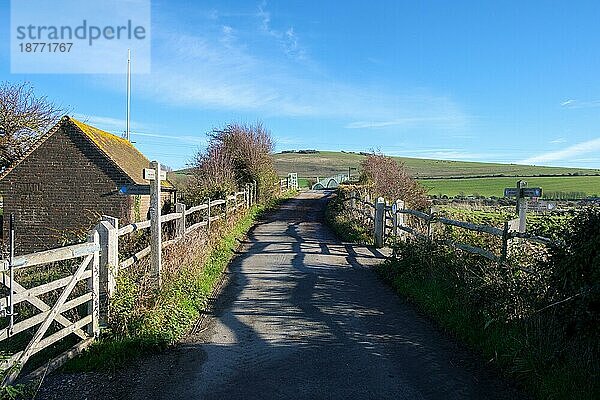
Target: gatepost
<point>379,223</point>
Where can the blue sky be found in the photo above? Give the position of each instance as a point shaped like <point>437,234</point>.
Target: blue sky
<point>480,81</point>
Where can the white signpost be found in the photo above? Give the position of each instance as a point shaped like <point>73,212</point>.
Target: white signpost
<point>521,192</point>
<point>155,209</point>
<point>150,174</point>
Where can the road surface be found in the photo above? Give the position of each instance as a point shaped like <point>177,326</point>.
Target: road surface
<point>303,317</point>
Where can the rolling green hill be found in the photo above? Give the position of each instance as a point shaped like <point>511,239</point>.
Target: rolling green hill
<point>486,179</point>
<point>328,163</point>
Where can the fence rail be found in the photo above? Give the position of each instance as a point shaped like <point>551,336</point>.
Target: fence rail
<point>225,206</point>
<point>48,315</point>
<point>100,266</point>
<point>382,212</point>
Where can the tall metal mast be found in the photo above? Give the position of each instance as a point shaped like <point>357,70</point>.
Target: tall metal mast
<point>127,131</point>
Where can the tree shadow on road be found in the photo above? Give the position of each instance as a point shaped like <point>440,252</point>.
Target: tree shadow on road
<point>302,316</point>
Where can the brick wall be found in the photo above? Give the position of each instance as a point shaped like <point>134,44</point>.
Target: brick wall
<point>60,190</point>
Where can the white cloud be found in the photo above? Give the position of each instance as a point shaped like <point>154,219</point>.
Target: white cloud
<point>567,102</point>
<point>559,140</point>
<point>569,153</point>
<point>571,103</point>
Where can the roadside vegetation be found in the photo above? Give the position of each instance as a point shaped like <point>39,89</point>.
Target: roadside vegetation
<point>536,316</point>
<point>143,318</point>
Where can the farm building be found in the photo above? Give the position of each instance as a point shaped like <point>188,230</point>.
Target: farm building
<point>73,175</point>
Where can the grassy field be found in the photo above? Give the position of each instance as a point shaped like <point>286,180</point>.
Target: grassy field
<point>590,185</point>
<point>485,179</point>
<point>328,163</point>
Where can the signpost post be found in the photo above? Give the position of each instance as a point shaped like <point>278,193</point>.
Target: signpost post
<point>521,192</point>
<point>155,175</point>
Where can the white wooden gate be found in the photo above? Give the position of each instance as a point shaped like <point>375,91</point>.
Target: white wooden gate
<point>47,314</point>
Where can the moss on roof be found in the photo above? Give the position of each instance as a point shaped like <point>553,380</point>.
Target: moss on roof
<point>126,157</point>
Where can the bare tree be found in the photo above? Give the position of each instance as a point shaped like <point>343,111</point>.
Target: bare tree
<point>23,118</point>
<point>236,154</point>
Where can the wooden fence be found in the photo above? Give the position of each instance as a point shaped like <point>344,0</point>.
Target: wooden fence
<point>49,314</point>
<point>100,266</point>
<point>388,220</point>
<point>110,232</point>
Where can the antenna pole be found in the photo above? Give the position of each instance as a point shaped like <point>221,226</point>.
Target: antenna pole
<point>127,131</point>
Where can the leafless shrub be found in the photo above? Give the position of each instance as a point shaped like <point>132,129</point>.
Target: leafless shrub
<point>392,181</point>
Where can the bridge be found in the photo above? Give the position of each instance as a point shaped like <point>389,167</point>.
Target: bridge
<point>329,183</point>
<point>301,316</point>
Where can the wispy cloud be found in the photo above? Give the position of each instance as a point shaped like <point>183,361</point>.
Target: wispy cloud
<point>227,65</point>
<point>572,103</point>
<point>287,38</point>
<point>117,126</point>
<point>114,125</point>
<point>408,121</point>
<point>567,154</point>
<point>559,140</point>
<point>200,72</point>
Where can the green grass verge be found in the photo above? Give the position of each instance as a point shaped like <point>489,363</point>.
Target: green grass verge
<point>511,346</point>
<point>343,227</point>
<point>182,302</point>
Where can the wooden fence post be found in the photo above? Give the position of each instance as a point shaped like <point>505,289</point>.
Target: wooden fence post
<point>246,196</point>
<point>208,212</point>
<point>431,218</point>
<point>366,209</point>
<point>108,231</point>
<point>94,286</point>
<point>251,194</point>
<point>400,219</point>
<point>505,239</point>
<point>155,228</point>
<point>180,223</point>
<point>509,226</point>
<point>379,223</point>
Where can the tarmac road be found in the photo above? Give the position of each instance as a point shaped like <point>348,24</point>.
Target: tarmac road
<point>303,317</point>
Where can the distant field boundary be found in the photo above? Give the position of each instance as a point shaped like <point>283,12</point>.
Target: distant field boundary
<point>433,178</point>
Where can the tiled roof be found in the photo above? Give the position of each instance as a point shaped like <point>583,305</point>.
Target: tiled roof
<point>118,150</point>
